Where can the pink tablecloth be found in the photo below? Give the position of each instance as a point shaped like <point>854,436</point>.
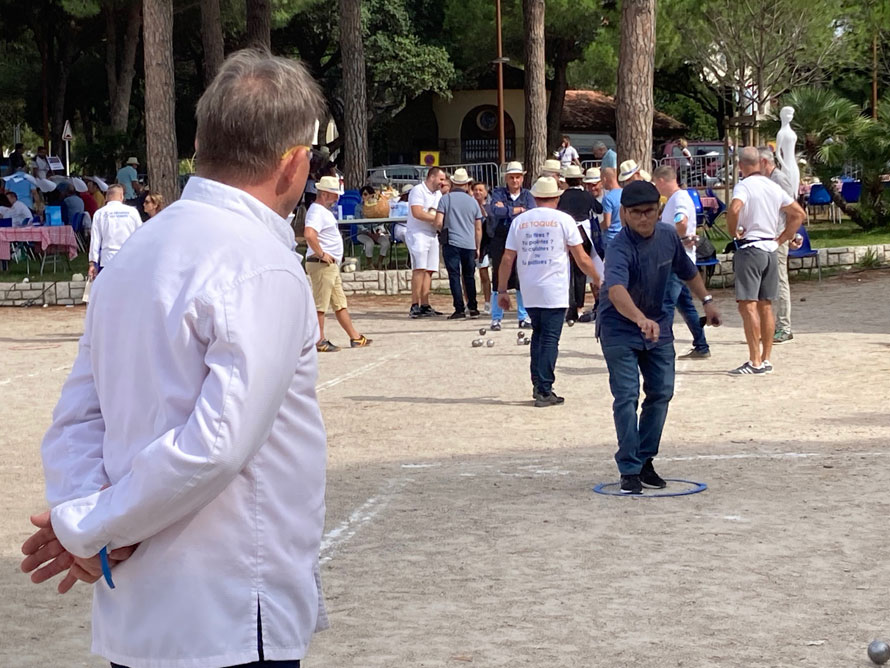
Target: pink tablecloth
<point>52,239</point>
<point>710,203</point>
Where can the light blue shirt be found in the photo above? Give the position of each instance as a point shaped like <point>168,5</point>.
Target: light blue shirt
<point>125,176</point>
<point>612,204</point>
<point>610,159</point>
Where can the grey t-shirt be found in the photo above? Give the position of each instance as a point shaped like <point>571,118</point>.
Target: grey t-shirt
<point>781,179</point>
<point>461,213</point>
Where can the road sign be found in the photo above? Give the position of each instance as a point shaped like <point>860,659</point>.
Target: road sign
<point>67,135</point>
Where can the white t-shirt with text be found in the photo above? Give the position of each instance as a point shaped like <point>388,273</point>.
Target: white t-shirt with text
<point>541,238</point>
<point>323,222</point>
<point>681,204</point>
<point>428,199</point>
<point>760,216</point>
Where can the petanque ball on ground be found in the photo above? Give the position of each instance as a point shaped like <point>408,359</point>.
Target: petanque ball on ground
<point>570,323</point>
<point>477,343</point>
<point>879,652</point>
<point>482,331</point>
<point>520,334</point>
<point>490,343</point>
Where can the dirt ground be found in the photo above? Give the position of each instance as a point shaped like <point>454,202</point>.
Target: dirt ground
<point>462,528</point>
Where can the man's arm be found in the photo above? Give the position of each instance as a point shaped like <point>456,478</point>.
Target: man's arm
<point>794,218</point>
<point>622,301</point>
<point>478,238</point>
<point>680,223</point>
<point>582,259</point>
<point>312,241</point>
<point>732,219</point>
<point>95,244</point>
<point>251,358</point>
<point>504,270</point>
<point>420,213</point>
<point>439,222</point>
<point>606,221</point>
<point>697,286</point>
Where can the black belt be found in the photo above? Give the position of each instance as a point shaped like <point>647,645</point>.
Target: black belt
<point>313,258</point>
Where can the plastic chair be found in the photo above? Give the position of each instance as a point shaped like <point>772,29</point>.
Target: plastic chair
<point>349,200</point>
<point>851,191</point>
<point>77,224</point>
<point>806,250</point>
<point>721,207</point>
<point>699,209</point>
<point>707,268</point>
<point>5,222</point>
<point>819,196</point>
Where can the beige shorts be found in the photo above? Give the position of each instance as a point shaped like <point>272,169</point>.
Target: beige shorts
<point>327,286</point>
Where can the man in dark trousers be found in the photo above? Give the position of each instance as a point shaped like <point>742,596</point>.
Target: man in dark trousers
<point>459,219</point>
<point>634,328</point>
<point>581,205</point>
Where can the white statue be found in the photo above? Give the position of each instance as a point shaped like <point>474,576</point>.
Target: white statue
<point>786,143</point>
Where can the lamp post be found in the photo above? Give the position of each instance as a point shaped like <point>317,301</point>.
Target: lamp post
<point>502,142</point>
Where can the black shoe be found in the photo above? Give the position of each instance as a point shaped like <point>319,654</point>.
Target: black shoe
<point>630,484</point>
<point>495,326</point>
<point>457,315</point>
<point>525,324</point>
<point>695,354</point>
<point>590,316</point>
<point>426,309</point>
<point>649,478</point>
<point>415,311</point>
<point>545,400</point>
<point>474,313</point>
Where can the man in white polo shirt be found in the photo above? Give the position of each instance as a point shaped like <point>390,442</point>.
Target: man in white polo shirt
<point>423,245</point>
<point>112,226</point>
<point>539,241</point>
<point>323,264</point>
<point>753,218</point>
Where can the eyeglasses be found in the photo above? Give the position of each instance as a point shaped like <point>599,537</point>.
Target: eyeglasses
<point>640,212</point>
<point>318,160</point>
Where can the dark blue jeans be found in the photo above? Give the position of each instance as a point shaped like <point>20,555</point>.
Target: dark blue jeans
<point>546,330</point>
<point>461,263</point>
<point>678,294</point>
<point>638,440</point>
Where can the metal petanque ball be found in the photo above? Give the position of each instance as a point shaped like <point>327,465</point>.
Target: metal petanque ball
<point>482,331</point>
<point>570,323</point>
<point>477,343</point>
<point>490,343</point>
<point>520,334</point>
<point>879,652</point>
<point>526,342</point>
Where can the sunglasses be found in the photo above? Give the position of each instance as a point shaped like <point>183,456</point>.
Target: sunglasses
<point>318,160</point>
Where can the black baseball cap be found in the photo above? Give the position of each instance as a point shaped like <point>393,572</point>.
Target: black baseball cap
<point>639,192</point>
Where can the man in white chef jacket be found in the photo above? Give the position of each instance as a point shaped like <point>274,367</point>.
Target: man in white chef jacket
<point>189,426</point>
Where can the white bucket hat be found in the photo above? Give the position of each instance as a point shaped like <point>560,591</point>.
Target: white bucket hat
<point>593,175</point>
<point>628,169</point>
<point>573,172</point>
<point>99,182</point>
<point>408,187</point>
<point>546,187</point>
<point>78,184</point>
<point>552,166</point>
<point>514,168</point>
<point>329,184</point>
<point>45,185</point>
<point>460,177</point>
<point>133,160</point>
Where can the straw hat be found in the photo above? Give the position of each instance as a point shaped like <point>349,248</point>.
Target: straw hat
<point>460,177</point>
<point>552,166</point>
<point>593,175</point>
<point>573,172</point>
<point>647,177</point>
<point>514,168</point>
<point>546,187</point>
<point>628,169</point>
<point>407,188</point>
<point>133,160</point>
<point>329,184</point>
<point>78,184</point>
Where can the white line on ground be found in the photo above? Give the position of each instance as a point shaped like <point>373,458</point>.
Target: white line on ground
<point>364,514</point>
<point>34,374</point>
<point>774,455</point>
<point>356,372</point>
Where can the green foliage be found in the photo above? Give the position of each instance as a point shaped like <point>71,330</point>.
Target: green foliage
<point>870,260</point>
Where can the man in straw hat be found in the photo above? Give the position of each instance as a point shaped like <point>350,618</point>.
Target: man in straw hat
<point>539,242</point>
<point>506,204</point>
<point>128,178</point>
<point>188,439</point>
<point>582,207</point>
<point>634,328</point>
<point>459,219</point>
<point>323,260</point>
<point>423,245</point>
<point>629,172</point>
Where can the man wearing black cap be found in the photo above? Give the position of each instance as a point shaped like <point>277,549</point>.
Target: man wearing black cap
<point>634,329</point>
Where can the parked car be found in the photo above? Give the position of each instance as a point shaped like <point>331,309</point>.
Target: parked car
<point>396,175</point>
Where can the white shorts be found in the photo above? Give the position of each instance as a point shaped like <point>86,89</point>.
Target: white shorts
<point>399,232</point>
<point>424,250</point>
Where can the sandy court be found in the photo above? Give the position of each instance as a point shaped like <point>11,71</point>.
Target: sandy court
<point>462,529</point>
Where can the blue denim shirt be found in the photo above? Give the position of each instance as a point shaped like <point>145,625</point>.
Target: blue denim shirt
<point>504,214</point>
<point>644,267</point>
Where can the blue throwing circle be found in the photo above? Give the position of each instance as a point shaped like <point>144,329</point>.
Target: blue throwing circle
<point>614,489</point>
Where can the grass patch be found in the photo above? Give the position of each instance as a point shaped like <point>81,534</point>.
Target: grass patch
<point>837,235</point>
<point>19,270</point>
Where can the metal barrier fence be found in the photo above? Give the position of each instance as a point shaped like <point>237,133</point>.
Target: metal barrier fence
<point>485,172</point>
<point>701,171</point>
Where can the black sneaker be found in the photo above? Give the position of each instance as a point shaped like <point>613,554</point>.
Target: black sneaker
<point>426,309</point>
<point>649,478</point>
<point>525,324</point>
<point>748,369</point>
<point>630,484</point>
<point>590,316</point>
<point>695,354</point>
<point>457,315</point>
<point>474,313</point>
<point>415,311</point>
<point>545,400</point>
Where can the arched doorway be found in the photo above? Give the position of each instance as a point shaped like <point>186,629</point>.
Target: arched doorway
<point>479,135</point>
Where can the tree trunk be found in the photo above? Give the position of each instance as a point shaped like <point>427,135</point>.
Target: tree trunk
<point>355,123</point>
<point>557,101</point>
<point>160,121</point>
<point>259,23</point>
<point>634,104</point>
<point>211,39</point>
<point>535,88</point>
<point>67,48</point>
<point>121,72</point>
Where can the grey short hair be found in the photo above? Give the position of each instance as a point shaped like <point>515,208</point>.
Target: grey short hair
<point>766,153</point>
<point>749,156</point>
<point>665,173</point>
<point>257,108</point>
<point>115,190</point>
<point>599,145</point>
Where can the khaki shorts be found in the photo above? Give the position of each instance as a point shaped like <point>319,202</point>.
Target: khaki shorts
<point>327,287</point>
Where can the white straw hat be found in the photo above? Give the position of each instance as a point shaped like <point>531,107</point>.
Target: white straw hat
<point>78,184</point>
<point>514,168</point>
<point>133,160</point>
<point>99,182</point>
<point>552,166</point>
<point>593,175</point>
<point>546,187</point>
<point>573,172</point>
<point>329,184</point>
<point>628,169</point>
<point>460,177</point>
<point>408,187</point>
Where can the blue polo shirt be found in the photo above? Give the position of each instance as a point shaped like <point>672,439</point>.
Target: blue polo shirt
<point>612,204</point>
<point>610,159</point>
<point>644,267</point>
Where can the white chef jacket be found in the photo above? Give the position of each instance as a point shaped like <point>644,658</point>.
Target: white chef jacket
<point>19,212</point>
<point>193,396</point>
<point>111,227</point>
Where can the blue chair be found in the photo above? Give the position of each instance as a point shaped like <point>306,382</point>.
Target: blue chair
<point>5,222</point>
<point>721,207</point>
<point>851,191</point>
<point>706,267</point>
<point>349,200</point>
<point>699,209</point>
<point>806,250</point>
<point>53,215</point>
<point>77,226</point>
<point>819,196</point>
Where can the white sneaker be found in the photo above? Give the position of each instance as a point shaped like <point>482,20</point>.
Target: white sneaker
<point>486,308</point>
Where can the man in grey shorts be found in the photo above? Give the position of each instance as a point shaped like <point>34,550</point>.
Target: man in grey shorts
<point>753,218</point>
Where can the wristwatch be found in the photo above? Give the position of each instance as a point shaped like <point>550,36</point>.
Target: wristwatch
<point>707,300</point>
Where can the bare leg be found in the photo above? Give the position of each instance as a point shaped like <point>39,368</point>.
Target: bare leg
<point>346,323</point>
<point>767,327</point>
<point>417,279</point>
<point>486,283</point>
<point>320,326</point>
<point>425,290</point>
<point>751,320</point>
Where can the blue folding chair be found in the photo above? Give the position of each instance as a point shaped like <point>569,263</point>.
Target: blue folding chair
<point>819,196</point>
<point>721,207</point>
<point>77,226</point>
<point>851,191</point>
<point>806,250</point>
<point>699,209</point>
